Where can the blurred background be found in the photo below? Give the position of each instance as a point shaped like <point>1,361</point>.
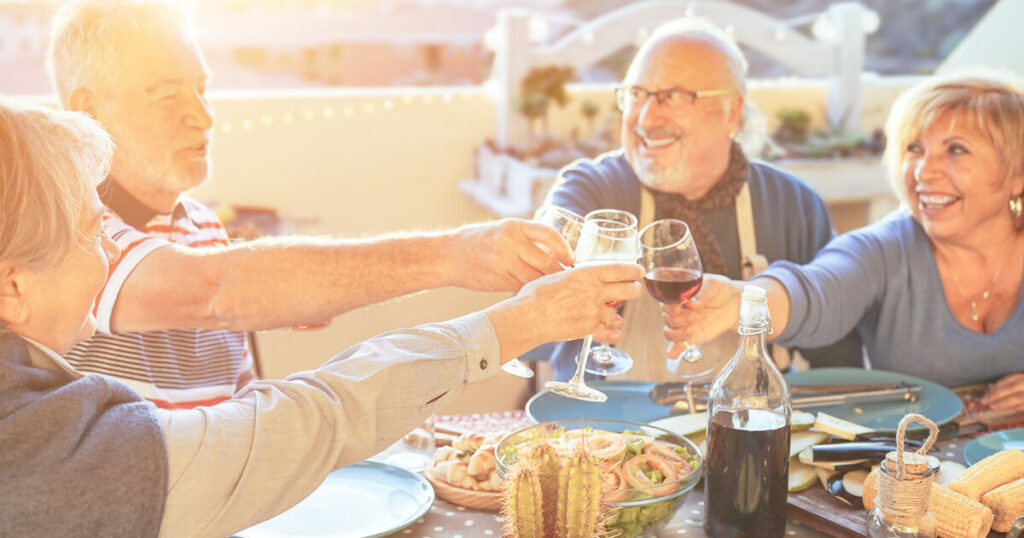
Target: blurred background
<point>360,117</point>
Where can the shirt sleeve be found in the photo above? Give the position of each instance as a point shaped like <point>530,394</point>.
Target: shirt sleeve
<point>829,295</point>
<point>243,461</point>
<point>135,246</point>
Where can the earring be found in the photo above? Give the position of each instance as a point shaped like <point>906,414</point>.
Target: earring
<point>1017,205</point>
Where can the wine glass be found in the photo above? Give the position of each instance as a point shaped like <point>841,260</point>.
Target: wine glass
<point>601,241</point>
<point>673,273</point>
<point>568,225</point>
<point>608,360</point>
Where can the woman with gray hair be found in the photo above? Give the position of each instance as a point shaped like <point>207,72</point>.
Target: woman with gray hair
<point>87,456</point>
<point>935,288</point>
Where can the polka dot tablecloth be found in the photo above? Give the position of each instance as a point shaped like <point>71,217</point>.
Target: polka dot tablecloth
<point>446,520</point>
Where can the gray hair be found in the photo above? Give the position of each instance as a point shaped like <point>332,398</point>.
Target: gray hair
<point>83,39</point>
<point>752,132</point>
<point>49,161</point>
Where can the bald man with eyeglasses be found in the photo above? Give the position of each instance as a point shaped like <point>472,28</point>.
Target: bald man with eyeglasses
<point>684,107</point>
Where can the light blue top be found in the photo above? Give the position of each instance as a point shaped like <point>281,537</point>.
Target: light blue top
<point>883,279</point>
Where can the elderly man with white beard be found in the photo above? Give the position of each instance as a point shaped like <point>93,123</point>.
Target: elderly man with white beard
<point>683,105</point>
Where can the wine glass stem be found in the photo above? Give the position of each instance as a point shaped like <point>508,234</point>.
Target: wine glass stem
<point>581,362</point>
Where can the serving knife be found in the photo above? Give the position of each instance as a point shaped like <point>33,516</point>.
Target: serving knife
<point>686,397</point>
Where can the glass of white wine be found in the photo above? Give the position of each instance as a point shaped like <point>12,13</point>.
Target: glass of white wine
<point>568,225</point>
<point>601,241</point>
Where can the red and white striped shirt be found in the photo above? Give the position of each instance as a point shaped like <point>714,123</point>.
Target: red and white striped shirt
<point>180,368</point>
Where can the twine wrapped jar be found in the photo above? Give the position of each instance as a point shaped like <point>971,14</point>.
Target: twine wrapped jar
<point>904,488</point>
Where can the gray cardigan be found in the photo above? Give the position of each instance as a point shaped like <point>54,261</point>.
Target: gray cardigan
<point>883,279</point>
<point>78,457</point>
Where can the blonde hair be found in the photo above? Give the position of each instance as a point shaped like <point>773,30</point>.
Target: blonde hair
<point>84,38</point>
<point>989,102</point>
<point>49,161</point>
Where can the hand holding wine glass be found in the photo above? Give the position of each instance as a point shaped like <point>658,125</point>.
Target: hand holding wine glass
<point>568,225</point>
<point>601,241</point>
<point>673,273</point>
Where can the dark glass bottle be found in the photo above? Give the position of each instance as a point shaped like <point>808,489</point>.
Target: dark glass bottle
<point>749,414</point>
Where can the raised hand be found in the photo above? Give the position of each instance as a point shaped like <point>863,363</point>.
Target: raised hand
<point>504,255</point>
<point>708,314</point>
<point>564,306</point>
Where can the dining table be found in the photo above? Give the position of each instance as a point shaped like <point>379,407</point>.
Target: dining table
<point>810,513</point>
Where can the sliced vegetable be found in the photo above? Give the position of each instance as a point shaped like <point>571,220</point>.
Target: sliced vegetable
<point>823,474</point>
<point>853,482</point>
<point>801,476</point>
<point>806,456</point>
<point>801,440</point>
<point>851,451</point>
<point>948,471</point>
<point>635,473</point>
<point>839,427</point>
<point>801,420</point>
<point>838,490</point>
<point>603,446</point>
<point>668,453</point>
<point>684,425</point>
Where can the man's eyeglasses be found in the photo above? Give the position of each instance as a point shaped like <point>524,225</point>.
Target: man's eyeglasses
<point>630,97</point>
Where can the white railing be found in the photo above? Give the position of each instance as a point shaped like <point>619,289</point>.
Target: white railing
<point>836,54</point>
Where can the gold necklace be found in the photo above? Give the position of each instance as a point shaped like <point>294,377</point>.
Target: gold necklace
<point>984,295</point>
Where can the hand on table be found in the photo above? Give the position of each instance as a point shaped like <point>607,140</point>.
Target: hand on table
<point>1007,393</point>
<point>708,314</point>
<point>505,254</point>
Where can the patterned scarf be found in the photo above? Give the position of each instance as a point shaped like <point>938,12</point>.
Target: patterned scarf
<point>676,206</point>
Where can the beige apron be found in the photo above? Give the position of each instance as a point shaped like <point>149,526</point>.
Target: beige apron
<point>642,333</point>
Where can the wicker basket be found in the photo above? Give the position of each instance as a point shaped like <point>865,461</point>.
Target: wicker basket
<point>483,500</point>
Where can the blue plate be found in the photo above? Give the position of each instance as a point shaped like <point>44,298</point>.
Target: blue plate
<point>364,499</point>
<point>986,445</point>
<point>627,400</point>
<point>936,402</point>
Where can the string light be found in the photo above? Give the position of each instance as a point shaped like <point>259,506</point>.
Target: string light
<point>331,112</point>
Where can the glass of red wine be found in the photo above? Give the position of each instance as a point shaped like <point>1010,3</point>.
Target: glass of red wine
<point>673,273</point>
<point>608,360</point>
<point>568,225</point>
<point>601,241</point>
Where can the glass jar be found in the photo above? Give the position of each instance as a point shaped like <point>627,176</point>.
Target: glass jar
<point>901,510</point>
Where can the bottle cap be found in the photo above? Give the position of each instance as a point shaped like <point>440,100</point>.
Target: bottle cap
<point>754,293</point>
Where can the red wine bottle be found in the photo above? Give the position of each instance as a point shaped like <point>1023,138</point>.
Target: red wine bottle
<point>749,415</point>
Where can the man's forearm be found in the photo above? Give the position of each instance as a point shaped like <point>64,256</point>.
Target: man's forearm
<point>276,282</point>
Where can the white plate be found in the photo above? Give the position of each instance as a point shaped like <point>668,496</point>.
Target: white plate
<point>362,500</point>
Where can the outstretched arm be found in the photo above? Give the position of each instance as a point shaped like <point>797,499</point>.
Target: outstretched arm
<point>273,283</point>
<point>716,308</point>
<point>240,462</point>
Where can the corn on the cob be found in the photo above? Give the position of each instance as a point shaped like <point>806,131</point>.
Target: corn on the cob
<point>994,471</point>
<point>957,516</point>
<point>1006,503</point>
